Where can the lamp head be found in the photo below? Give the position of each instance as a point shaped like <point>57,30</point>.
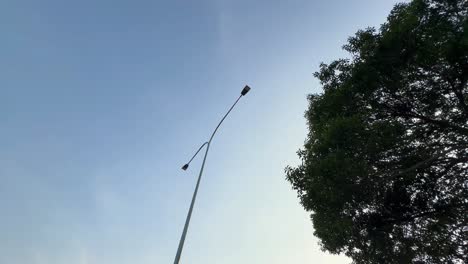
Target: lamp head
<point>185,167</point>
<point>245,90</point>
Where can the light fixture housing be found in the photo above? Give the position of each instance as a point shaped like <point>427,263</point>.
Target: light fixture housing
<point>245,90</point>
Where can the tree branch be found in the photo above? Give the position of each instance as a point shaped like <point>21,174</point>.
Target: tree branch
<point>420,164</point>
<point>440,123</point>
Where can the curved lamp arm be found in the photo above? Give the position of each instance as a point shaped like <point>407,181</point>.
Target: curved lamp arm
<point>243,93</point>
<point>188,163</point>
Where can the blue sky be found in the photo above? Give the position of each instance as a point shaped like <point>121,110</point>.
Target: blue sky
<point>101,102</point>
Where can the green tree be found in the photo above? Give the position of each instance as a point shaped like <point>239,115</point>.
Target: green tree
<point>385,165</point>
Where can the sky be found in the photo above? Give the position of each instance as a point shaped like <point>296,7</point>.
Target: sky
<point>102,102</point>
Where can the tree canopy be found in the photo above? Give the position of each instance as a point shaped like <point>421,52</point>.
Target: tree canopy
<point>384,168</point>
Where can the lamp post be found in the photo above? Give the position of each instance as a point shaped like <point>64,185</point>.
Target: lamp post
<point>185,167</point>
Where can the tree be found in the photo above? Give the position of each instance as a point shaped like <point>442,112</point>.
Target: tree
<point>384,168</point>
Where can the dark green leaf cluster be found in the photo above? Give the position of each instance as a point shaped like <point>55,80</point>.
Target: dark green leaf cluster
<point>385,166</point>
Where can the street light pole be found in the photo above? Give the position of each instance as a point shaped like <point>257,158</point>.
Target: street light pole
<point>194,197</point>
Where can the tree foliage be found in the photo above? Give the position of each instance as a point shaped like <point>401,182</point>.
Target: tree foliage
<point>385,165</point>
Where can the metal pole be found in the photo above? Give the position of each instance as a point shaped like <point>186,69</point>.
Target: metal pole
<point>189,215</point>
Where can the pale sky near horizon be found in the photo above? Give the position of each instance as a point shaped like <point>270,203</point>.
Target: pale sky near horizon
<point>102,102</point>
